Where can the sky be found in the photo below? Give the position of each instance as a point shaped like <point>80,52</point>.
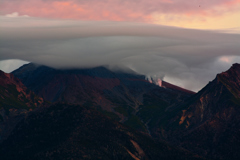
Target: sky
<point>183,42</point>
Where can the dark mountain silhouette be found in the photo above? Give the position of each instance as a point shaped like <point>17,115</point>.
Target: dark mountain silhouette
<point>64,131</point>
<point>208,123</point>
<point>127,97</point>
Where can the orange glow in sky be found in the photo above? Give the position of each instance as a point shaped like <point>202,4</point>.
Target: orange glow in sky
<point>226,21</point>
<point>204,14</point>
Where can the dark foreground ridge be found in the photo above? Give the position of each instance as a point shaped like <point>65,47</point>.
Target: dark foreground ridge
<point>64,131</point>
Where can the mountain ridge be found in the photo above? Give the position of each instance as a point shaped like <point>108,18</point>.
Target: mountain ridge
<point>118,94</point>
<point>207,123</point>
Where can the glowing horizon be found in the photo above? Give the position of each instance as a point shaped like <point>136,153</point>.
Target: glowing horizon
<point>204,14</point>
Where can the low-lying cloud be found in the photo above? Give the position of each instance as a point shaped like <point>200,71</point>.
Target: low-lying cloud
<point>189,58</point>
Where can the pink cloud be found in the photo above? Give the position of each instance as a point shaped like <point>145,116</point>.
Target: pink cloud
<point>118,10</point>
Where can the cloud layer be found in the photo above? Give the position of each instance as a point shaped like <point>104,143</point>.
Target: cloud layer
<point>189,58</point>
<point>11,64</point>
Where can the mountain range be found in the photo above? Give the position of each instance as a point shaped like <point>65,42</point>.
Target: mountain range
<point>123,96</point>
<point>96,113</point>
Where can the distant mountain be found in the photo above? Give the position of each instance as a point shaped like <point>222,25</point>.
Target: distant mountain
<point>15,100</point>
<point>208,123</point>
<point>64,131</point>
<point>127,97</point>
<point>165,84</point>
<point>174,87</point>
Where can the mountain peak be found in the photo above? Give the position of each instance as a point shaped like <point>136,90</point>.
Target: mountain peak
<point>231,79</point>
<point>235,68</point>
<point>211,116</point>
<point>236,65</point>
<point>8,78</point>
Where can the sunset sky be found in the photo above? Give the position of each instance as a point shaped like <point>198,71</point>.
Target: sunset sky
<point>201,14</point>
<point>183,42</point>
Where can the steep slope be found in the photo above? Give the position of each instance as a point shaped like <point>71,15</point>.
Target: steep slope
<point>64,131</point>
<point>174,87</point>
<point>208,123</point>
<point>15,100</point>
<point>123,96</point>
<point>15,96</point>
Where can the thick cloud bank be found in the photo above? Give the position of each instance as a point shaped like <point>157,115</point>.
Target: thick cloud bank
<point>189,58</point>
